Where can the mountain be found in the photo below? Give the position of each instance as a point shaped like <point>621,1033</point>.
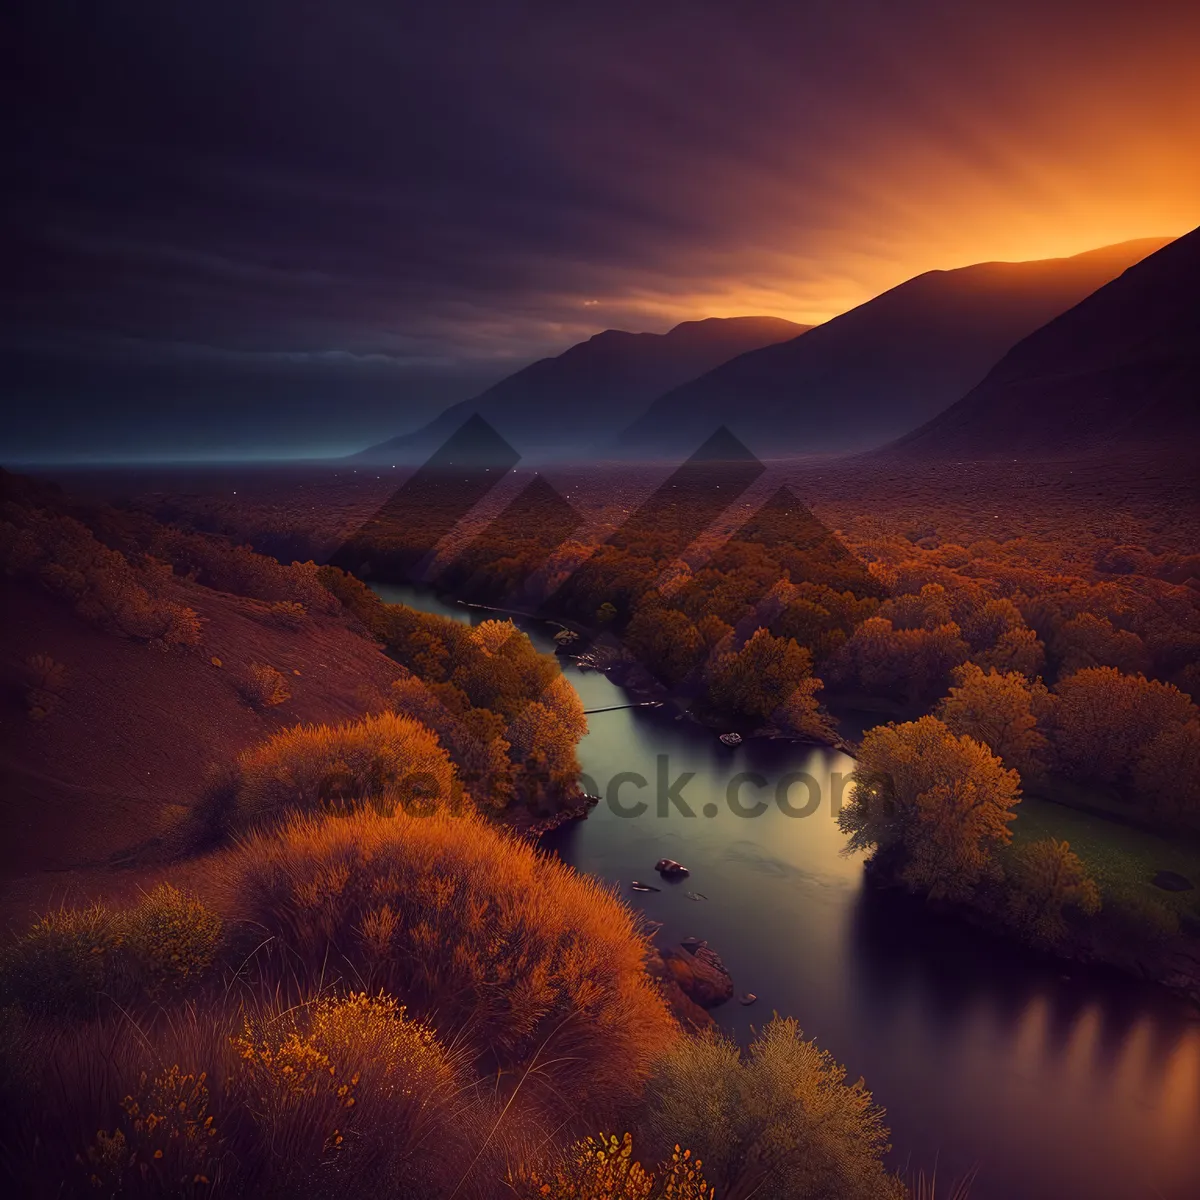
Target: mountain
<point>589,392</point>
<point>1119,370</point>
<point>881,369</point>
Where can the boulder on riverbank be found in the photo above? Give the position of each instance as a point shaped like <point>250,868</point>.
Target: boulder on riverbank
<point>699,972</point>
<point>685,1010</point>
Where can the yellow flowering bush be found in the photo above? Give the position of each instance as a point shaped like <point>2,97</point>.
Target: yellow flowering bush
<point>171,936</point>
<point>352,1081</point>
<point>603,1168</point>
<point>166,1144</point>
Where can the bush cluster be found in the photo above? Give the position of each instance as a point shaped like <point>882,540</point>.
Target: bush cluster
<point>531,962</point>
<point>67,559</point>
<point>73,961</point>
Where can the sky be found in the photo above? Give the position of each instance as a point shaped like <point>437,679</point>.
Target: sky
<point>293,227</point>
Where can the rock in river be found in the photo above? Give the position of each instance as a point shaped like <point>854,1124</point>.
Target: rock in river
<point>670,869</point>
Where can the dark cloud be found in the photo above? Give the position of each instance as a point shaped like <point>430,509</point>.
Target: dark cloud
<point>303,224</point>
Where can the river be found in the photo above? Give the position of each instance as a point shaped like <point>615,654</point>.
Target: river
<point>1051,1081</point>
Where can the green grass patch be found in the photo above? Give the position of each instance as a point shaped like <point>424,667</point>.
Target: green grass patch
<point>1121,859</point>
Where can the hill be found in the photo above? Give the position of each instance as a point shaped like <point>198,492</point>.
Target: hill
<point>881,369</point>
<point>586,394</point>
<point>1120,370</point>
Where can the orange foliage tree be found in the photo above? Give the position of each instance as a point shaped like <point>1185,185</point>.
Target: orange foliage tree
<point>997,710</point>
<point>908,665</point>
<point>1104,721</point>
<point>769,678</point>
<point>934,805</point>
<point>1167,777</point>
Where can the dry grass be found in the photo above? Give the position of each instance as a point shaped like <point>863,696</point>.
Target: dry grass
<point>333,1096</point>
<point>539,967</point>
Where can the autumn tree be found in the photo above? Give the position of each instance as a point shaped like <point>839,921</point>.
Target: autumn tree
<point>665,642</point>
<point>997,710</point>
<point>543,736</point>
<point>1089,640</point>
<point>933,805</point>
<point>926,609</point>
<point>1045,879</point>
<point>474,737</point>
<point>909,665</point>
<point>1016,649</point>
<point>1167,777</point>
<point>1104,721</point>
<point>769,678</point>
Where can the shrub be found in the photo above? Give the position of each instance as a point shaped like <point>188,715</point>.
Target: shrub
<point>382,760</point>
<point>63,962</point>
<point>603,1168</point>
<point>351,1082</point>
<point>169,937</point>
<point>72,960</point>
<point>778,1124</point>
<point>289,614</point>
<point>166,1142</point>
<point>1046,877</point>
<point>67,559</point>
<point>542,968</point>
<point>263,686</point>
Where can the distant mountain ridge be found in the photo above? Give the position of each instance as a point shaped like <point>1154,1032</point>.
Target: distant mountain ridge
<point>1121,369</point>
<point>591,391</point>
<point>881,369</point>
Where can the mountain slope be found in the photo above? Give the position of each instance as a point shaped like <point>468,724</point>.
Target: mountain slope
<point>592,390</point>
<point>877,371</point>
<point>1120,369</point>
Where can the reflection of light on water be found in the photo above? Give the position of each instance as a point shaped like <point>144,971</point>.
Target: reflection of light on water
<point>1079,1054</point>
<point>1029,1041</point>
<point>1179,1091</point>
<point>1133,1061</point>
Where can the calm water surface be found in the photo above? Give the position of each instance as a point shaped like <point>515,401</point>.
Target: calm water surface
<point>1052,1081</point>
